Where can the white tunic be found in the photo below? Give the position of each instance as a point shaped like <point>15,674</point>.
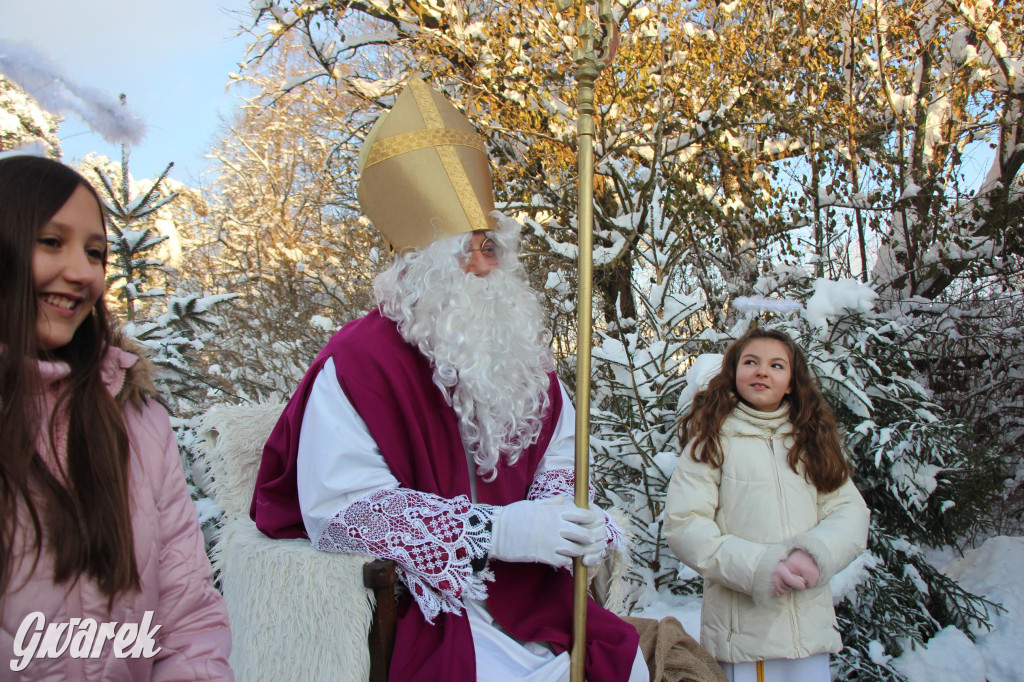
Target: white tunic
<point>339,462</point>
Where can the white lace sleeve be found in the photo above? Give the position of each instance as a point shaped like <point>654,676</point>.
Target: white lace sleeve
<point>432,540</point>
<point>555,482</point>
<point>563,482</point>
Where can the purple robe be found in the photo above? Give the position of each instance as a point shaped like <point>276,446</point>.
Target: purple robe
<point>390,384</point>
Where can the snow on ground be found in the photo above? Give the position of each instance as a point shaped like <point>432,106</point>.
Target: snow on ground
<point>685,609</point>
<point>994,570</point>
<point>949,656</point>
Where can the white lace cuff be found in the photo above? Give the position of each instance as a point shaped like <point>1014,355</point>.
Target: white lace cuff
<point>563,482</point>
<point>432,540</point>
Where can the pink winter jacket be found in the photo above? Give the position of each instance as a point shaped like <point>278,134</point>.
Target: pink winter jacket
<point>193,639</point>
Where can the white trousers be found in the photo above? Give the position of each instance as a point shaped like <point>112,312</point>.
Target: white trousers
<point>811,669</point>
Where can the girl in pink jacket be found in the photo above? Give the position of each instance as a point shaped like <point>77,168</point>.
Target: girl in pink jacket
<point>102,570</point>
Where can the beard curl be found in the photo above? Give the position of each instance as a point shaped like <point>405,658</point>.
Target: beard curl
<point>485,338</point>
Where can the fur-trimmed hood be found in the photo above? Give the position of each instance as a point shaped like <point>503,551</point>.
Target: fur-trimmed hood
<point>128,372</point>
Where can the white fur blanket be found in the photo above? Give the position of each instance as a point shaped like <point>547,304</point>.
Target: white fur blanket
<point>296,613</point>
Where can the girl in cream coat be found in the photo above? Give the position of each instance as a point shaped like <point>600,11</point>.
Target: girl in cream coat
<point>762,505</point>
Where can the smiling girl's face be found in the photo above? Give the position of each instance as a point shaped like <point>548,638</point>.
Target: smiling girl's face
<point>764,374</point>
<point>68,268</point>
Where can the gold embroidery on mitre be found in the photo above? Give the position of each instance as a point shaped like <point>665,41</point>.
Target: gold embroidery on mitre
<point>425,104</point>
<point>449,158</point>
<point>463,188</point>
<point>421,139</point>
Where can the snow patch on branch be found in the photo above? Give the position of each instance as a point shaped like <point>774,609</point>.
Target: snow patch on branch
<point>832,299</point>
<point>757,304</point>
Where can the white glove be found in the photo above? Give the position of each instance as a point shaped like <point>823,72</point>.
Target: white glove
<point>549,531</point>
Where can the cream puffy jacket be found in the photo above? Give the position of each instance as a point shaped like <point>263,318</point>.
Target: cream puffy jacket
<point>733,524</point>
<point>176,582</point>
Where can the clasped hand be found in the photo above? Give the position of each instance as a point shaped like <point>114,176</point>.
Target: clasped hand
<point>798,571</point>
<point>550,531</point>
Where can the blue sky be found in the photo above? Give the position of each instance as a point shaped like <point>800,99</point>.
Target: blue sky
<point>170,57</point>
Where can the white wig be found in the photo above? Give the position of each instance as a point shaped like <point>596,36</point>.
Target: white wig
<point>485,337</point>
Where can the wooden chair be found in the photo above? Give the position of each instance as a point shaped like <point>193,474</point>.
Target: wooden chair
<point>296,613</point>
<point>379,576</point>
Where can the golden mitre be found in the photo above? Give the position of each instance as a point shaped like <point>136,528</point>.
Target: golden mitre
<point>424,173</point>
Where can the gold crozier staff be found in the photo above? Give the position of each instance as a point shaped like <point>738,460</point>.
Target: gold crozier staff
<point>590,57</point>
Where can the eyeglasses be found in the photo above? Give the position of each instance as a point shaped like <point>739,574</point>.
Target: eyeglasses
<point>489,249</point>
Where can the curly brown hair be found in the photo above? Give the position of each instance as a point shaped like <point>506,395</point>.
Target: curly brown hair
<point>815,432</point>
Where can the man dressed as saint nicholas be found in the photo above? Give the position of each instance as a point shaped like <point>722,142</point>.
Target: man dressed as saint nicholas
<point>434,432</point>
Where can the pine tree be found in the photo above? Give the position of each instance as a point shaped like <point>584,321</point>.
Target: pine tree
<point>916,465</point>
<point>172,327</point>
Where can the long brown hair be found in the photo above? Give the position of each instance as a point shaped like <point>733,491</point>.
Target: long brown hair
<point>81,513</point>
<point>816,436</point>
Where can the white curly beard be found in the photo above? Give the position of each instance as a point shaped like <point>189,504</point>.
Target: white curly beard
<point>485,338</point>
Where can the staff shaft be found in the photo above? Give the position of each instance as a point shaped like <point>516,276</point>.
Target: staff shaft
<point>584,325</point>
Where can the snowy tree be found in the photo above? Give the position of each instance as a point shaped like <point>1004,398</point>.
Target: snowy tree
<point>919,469</point>
<point>282,230</point>
<point>172,326</point>
<point>914,463</point>
<point>23,121</point>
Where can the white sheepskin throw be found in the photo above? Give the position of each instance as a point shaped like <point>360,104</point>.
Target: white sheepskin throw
<point>234,436</point>
<point>296,613</point>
